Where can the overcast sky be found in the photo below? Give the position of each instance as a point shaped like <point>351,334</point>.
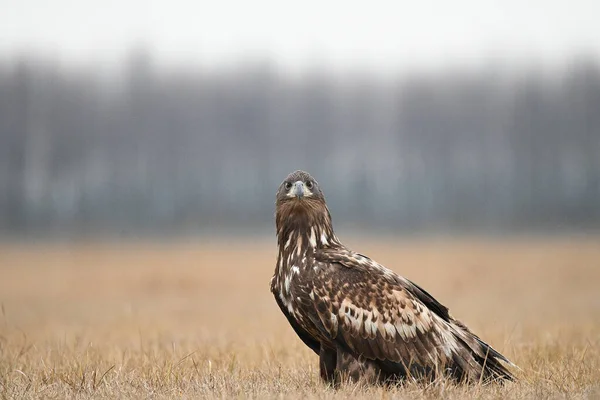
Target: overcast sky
<point>338,34</point>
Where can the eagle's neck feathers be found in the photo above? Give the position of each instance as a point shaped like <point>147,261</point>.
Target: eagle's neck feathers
<point>298,237</point>
<point>299,234</point>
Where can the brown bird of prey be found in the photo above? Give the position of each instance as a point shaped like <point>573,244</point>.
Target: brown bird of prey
<point>364,321</point>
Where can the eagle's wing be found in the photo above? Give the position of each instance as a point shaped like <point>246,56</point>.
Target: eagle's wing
<point>374,313</point>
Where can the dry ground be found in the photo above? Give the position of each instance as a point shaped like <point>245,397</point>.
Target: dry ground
<point>196,319</point>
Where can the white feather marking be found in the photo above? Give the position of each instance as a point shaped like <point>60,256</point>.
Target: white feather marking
<point>447,351</point>
<point>334,322</point>
<point>406,331</point>
<point>368,326</point>
<point>450,343</point>
<point>373,329</point>
<point>358,320</point>
<point>399,327</point>
<point>287,303</point>
<point>420,326</point>
<point>316,269</point>
<point>299,245</point>
<point>312,239</point>
<point>390,329</point>
<point>355,320</point>
<point>287,244</point>
<point>431,357</point>
<point>324,241</point>
<point>413,331</point>
<point>311,295</point>
<point>290,276</point>
<point>346,314</point>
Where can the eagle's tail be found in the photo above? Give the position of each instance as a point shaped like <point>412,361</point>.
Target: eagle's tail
<point>477,361</point>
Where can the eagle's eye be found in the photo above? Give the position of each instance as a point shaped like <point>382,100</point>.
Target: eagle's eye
<point>309,184</point>
<point>288,185</point>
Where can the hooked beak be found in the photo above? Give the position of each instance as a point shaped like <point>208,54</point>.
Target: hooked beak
<point>298,189</point>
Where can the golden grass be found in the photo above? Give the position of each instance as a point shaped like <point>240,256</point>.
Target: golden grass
<point>196,319</point>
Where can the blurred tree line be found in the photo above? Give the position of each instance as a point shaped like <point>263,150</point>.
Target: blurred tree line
<point>155,149</point>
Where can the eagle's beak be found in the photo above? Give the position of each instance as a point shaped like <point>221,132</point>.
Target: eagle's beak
<point>298,189</point>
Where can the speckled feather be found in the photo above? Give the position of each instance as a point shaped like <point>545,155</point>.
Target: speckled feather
<point>364,320</point>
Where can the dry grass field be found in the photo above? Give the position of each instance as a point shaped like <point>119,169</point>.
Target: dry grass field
<point>196,319</point>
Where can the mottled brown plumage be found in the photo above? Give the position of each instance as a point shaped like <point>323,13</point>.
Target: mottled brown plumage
<point>362,319</point>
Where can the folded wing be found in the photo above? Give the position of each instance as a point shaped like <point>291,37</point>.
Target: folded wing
<point>374,313</point>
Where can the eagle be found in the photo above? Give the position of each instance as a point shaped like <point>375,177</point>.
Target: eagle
<point>365,322</point>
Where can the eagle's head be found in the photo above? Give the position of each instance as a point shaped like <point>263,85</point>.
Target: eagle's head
<point>300,206</point>
<point>299,189</point>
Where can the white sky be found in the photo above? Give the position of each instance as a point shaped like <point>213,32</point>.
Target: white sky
<point>337,34</point>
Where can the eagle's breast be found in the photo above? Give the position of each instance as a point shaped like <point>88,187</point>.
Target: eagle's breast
<point>296,270</point>
<point>291,263</point>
